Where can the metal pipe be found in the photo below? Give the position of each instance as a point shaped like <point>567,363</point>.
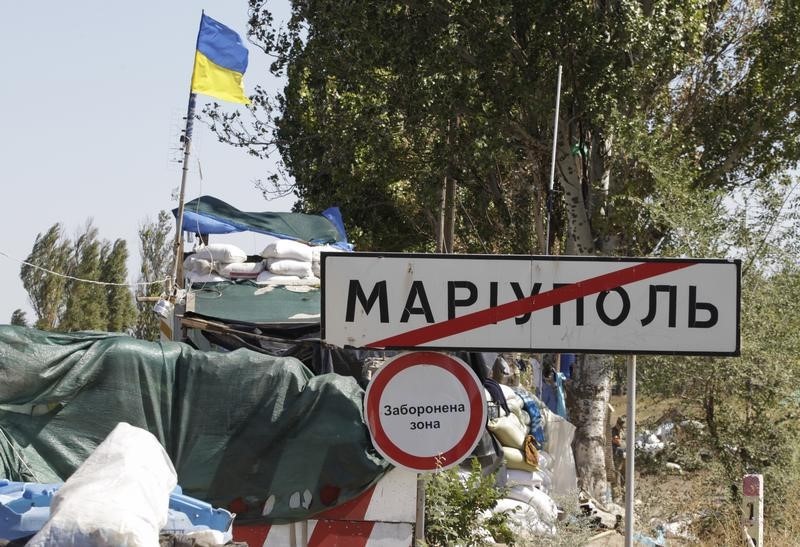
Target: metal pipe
<point>553,164</point>
<point>630,447</point>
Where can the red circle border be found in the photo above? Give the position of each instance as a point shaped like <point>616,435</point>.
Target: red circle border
<point>475,425</point>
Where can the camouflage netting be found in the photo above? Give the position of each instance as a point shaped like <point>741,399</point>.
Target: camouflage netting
<point>240,426</point>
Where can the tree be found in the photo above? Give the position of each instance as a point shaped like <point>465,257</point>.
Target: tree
<point>86,300</point>
<point>46,290</point>
<point>749,405</point>
<point>19,318</point>
<point>155,249</point>
<point>78,285</point>
<point>392,109</point>
<point>121,313</point>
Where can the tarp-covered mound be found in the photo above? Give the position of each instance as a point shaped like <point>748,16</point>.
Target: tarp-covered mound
<point>247,431</point>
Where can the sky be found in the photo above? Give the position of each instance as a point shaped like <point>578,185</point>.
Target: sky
<point>92,105</point>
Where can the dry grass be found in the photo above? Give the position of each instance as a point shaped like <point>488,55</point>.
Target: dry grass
<point>700,497</point>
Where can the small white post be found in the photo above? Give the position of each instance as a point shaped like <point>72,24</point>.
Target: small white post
<point>753,509</point>
<point>419,527</point>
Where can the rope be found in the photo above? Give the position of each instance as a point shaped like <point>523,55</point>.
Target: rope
<point>19,455</point>
<point>93,281</point>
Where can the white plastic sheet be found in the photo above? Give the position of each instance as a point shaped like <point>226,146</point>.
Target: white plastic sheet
<point>118,497</point>
<point>558,443</point>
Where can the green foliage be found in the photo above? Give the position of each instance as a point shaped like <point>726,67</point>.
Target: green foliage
<point>78,285</point>
<point>750,404</point>
<point>46,291</point>
<point>86,307</point>
<point>19,318</point>
<point>121,313</point>
<point>666,102</point>
<point>669,109</point>
<point>454,506</point>
<point>155,249</point>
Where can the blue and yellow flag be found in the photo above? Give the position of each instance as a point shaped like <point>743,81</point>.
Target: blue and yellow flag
<point>219,63</point>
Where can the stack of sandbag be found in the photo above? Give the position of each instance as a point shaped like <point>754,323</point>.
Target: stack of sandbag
<point>528,468</point>
<point>316,251</point>
<point>219,262</point>
<point>288,262</point>
<point>553,435</point>
<point>285,262</point>
<point>511,429</point>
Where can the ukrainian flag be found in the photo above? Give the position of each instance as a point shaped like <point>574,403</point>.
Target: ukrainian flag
<point>219,63</point>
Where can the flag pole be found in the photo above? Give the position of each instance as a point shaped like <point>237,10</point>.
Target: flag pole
<point>187,146</point>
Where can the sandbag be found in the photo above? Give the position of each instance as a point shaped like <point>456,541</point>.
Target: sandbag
<point>193,277</point>
<point>288,266</point>
<point>221,252</point>
<point>197,265</point>
<point>508,430</point>
<point>288,249</point>
<point>119,496</point>
<point>523,519</point>
<point>525,478</point>
<point>241,270</point>
<point>545,507</point>
<point>268,278</point>
<point>514,401</point>
<point>516,460</point>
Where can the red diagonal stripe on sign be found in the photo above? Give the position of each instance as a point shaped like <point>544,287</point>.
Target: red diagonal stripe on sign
<point>471,321</point>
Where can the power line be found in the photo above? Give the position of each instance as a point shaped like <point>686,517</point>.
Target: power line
<point>93,281</point>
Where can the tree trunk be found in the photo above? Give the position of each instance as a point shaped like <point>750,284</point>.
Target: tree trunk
<point>591,376</point>
<point>588,411</point>
<point>579,240</point>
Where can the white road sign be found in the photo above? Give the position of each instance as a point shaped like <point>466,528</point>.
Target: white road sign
<point>502,302</point>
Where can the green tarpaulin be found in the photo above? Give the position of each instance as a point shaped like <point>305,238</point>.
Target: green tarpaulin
<point>240,427</point>
<point>246,302</point>
<point>209,215</point>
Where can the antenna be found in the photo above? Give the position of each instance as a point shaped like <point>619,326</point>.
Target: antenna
<point>176,138</point>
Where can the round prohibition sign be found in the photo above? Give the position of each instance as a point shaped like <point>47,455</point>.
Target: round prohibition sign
<point>425,410</point>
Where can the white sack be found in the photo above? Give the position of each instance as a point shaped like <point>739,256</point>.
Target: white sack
<point>196,265</point>
<point>221,252</point>
<point>193,277</point>
<point>241,270</point>
<point>523,520</point>
<point>515,459</point>
<point>288,266</point>
<point>520,477</point>
<point>316,265</point>
<point>545,507</point>
<point>118,497</point>
<point>269,278</point>
<point>287,248</point>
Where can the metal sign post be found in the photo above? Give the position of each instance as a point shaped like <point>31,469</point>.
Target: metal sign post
<point>630,447</point>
